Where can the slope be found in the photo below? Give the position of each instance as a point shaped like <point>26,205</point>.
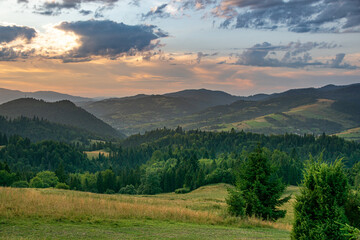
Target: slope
<point>63,112</point>
<point>138,113</point>
<point>38,130</point>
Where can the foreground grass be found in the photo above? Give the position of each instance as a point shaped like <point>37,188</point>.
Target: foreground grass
<point>61,214</point>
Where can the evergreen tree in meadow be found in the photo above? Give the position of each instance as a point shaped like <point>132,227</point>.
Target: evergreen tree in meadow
<point>258,189</point>
<point>320,207</point>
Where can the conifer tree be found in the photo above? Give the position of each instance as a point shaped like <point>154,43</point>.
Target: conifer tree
<point>320,208</point>
<point>258,189</point>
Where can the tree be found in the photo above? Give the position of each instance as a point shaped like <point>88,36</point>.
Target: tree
<point>258,189</point>
<point>48,178</point>
<point>6,178</point>
<point>320,207</point>
<point>36,182</point>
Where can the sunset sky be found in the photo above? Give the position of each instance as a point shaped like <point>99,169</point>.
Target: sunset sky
<point>126,47</point>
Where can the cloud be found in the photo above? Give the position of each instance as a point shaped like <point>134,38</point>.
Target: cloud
<point>201,55</point>
<point>56,7</point>
<point>110,39</point>
<point>10,54</point>
<point>337,62</point>
<point>294,55</point>
<point>156,12</point>
<point>11,33</point>
<point>295,15</point>
<point>85,12</point>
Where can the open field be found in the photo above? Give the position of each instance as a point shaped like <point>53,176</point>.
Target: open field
<point>61,214</point>
<point>350,134</point>
<point>95,154</point>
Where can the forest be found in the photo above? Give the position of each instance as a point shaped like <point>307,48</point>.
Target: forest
<point>164,160</point>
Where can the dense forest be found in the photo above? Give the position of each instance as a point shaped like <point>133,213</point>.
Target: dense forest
<point>165,160</point>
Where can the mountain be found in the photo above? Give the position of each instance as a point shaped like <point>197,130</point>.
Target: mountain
<point>203,98</point>
<point>137,113</point>
<point>330,109</point>
<point>62,112</point>
<point>7,95</point>
<point>39,130</point>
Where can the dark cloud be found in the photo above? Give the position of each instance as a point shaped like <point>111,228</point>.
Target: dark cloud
<point>160,11</point>
<point>23,1</point>
<point>10,54</point>
<point>295,15</point>
<point>85,12</point>
<point>110,39</point>
<point>201,55</point>
<point>337,62</point>
<point>157,12</point>
<point>11,33</point>
<point>55,8</point>
<point>294,55</point>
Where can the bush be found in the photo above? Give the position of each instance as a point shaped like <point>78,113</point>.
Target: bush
<point>36,182</point>
<point>61,185</point>
<point>109,191</point>
<point>129,189</point>
<point>49,178</point>
<point>258,189</point>
<point>319,209</point>
<point>20,184</point>
<point>182,190</point>
<point>6,178</point>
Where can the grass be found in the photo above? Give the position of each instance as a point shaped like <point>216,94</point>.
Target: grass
<point>95,154</point>
<point>62,214</point>
<point>350,134</point>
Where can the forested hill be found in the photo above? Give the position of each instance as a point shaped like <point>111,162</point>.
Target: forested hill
<point>63,112</point>
<point>40,129</point>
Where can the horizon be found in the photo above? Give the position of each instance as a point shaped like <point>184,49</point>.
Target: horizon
<point>155,94</point>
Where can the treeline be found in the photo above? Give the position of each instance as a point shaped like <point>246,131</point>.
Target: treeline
<point>166,160</point>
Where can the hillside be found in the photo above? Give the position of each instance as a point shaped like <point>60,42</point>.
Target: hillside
<point>63,112</point>
<point>45,213</point>
<point>330,109</point>
<point>131,113</point>
<point>7,95</point>
<point>39,129</point>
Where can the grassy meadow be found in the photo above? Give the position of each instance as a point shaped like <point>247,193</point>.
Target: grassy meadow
<point>64,214</point>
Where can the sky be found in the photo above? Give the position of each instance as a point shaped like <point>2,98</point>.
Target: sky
<point>115,48</point>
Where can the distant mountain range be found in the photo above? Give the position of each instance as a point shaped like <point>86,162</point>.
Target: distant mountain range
<point>330,109</point>
<point>7,95</point>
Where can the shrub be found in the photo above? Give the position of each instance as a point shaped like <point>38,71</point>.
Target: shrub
<point>319,209</point>
<point>6,178</point>
<point>61,185</point>
<point>20,184</point>
<point>129,189</point>
<point>36,182</point>
<point>109,191</point>
<point>182,190</point>
<point>49,178</point>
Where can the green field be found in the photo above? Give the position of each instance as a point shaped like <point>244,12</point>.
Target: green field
<point>95,154</point>
<point>350,134</point>
<point>62,214</point>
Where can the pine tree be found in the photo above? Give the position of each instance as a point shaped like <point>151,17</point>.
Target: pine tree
<point>320,208</point>
<point>258,189</point>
